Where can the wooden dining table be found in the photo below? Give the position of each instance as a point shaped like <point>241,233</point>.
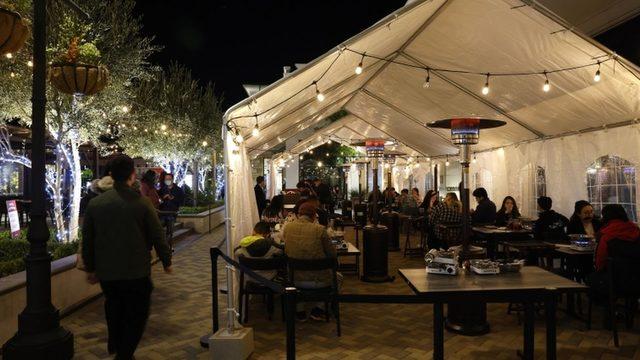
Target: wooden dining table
<point>532,284</point>
<point>493,235</point>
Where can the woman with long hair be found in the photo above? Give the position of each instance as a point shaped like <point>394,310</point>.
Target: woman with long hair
<point>148,187</point>
<point>583,221</point>
<point>444,218</point>
<point>508,211</point>
<point>274,212</point>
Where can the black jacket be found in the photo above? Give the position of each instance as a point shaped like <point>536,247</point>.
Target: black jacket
<point>485,213</point>
<point>550,226</point>
<point>502,218</point>
<point>575,226</point>
<point>261,198</point>
<point>173,204</point>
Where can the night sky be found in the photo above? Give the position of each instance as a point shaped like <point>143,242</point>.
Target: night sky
<point>231,42</point>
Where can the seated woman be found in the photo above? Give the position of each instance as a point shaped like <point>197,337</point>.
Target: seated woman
<point>583,221</point>
<point>616,226</point>
<point>407,203</point>
<point>274,212</point>
<point>444,216</point>
<point>508,212</point>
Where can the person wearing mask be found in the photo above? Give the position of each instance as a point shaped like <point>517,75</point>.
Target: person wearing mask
<point>583,221</point>
<point>306,240</point>
<point>119,230</point>
<point>274,212</point>
<point>148,188</point>
<point>172,198</point>
<point>485,212</point>
<point>508,212</point>
<point>550,225</point>
<point>261,195</point>
<point>615,225</point>
<point>446,213</point>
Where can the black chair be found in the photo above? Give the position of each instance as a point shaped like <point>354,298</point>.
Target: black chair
<point>328,294</point>
<point>619,280</point>
<point>253,287</point>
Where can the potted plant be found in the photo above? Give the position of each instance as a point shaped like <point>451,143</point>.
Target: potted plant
<point>13,30</point>
<point>78,71</point>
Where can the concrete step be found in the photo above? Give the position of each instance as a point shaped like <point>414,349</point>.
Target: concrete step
<point>181,233</point>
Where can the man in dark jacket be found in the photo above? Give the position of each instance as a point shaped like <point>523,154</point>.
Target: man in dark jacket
<point>485,212</point>
<point>120,228</point>
<point>261,196</point>
<point>550,225</point>
<point>172,198</point>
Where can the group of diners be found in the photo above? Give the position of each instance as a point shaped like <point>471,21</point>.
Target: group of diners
<point>302,234</point>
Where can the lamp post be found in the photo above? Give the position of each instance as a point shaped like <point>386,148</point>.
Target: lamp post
<point>39,335</point>
<point>464,317</point>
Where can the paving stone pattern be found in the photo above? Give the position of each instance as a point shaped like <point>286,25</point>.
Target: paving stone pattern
<point>181,313</point>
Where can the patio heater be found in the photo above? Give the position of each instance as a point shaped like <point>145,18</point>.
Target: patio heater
<point>347,205</point>
<point>375,261</point>
<point>463,317</point>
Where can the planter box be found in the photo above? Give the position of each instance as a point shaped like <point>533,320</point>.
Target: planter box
<point>69,289</point>
<point>203,221</point>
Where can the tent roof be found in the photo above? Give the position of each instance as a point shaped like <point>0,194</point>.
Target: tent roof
<point>488,36</point>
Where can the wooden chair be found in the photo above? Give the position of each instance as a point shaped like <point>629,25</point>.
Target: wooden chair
<point>327,294</point>
<point>254,287</point>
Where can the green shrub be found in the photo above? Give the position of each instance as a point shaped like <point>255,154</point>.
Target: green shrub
<point>11,267</point>
<point>13,249</point>
<point>12,253</point>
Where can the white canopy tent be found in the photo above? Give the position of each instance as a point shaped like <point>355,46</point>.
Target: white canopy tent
<point>456,43</point>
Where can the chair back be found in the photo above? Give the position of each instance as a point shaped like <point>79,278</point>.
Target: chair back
<point>451,234</point>
<point>271,263</point>
<point>624,267</point>
<point>314,265</point>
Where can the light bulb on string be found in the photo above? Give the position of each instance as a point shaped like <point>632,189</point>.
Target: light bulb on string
<point>239,139</point>
<point>546,87</point>
<point>256,129</point>
<point>12,74</point>
<point>427,80</point>
<point>474,159</point>
<point>204,144</point>
<point>485,88</point>
<point>446,162</point>
<point>596,77</point>
<point>319,95</point>
<point>9,55</point>
<point>30,63</point>
<point>319,163</point>
<point>163,127</point>
<point>358,70</point>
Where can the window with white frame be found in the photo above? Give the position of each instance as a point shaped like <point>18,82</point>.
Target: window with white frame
<point>612,180</point>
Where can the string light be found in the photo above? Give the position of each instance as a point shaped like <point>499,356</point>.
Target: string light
<point>12,74</point>
<point>327,154</point>
<point>9,55</point>
<point>546,87</point>
<point>301,157</point>
<point>310,151</point>
<point>427,81</point>
<point>319,95</point>
<point>474,159</point>
<point>125,109</point>
<point>239,139</point>
<point>204,144</point>
<point>256,128</point>
<point>596,77</point>
<point>163,127</point>
<point>447,162</point>
<point>30,63</point>
<point>359,67</point>
<point>319,163</point>
<point>485,88</point>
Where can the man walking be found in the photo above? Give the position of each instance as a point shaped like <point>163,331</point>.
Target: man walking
<point>261,195</point>
<point>120,228</point>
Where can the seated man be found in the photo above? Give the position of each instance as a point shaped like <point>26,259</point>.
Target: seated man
<point>485,212</point>
<point>407,203</point>
<point>306,240</point>
<point>550,225</point>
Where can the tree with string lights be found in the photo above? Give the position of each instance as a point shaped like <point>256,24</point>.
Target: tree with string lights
<point>111,36</point>
<point>174,122</point>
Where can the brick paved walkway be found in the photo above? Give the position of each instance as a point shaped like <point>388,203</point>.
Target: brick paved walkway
<point>181,314</point>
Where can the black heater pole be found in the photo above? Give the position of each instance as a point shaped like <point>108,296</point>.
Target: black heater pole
<point>39,335</point>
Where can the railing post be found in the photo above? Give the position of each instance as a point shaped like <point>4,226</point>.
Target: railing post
<point>214,254</point>
<point>290,311</point>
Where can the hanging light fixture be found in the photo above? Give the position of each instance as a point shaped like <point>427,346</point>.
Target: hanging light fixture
<point>256,128</point>
<point>319,95</point>
<point>596,77</point>
<point>546,87</point>
<point>446,163</point>
<point>239,139</point>
<point>359,68</point>
<point>474,159</point>
<point>427,80</point>
<point>485,88</point>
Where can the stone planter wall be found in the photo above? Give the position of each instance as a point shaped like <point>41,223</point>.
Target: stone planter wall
<point>69,289</point>
<point>205,221</point>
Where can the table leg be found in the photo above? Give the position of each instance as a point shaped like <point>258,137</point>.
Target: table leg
<point>550,305</point>
<point>528,331</point>
<point>438,331</point>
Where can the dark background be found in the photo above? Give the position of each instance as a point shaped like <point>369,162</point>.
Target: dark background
<point>231,42</point>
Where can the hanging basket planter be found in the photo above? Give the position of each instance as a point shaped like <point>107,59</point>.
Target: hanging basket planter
<point>13,31</point>
<point>71,78</point>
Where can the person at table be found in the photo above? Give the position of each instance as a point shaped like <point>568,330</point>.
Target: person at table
<point>407,203</point>
<point>322,214</point>
<point>583,221</point>
<point>389,195</point>
<point>508,212</point>
<point>260,244</point>
<point>323,191</point>
<point>415,193</point>
<point>274,212</point>
<point>429,204</point>
<point>485,212</point>
<point>430,201</point>
<point>261,195</point>
<point>616,225</point>
<point>306,240</point>
<point>550,225</point>
<point>443,216</point>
